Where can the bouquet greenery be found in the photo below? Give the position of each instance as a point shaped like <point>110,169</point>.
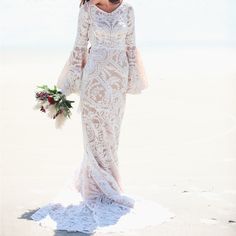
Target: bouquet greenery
<point>54,103</point>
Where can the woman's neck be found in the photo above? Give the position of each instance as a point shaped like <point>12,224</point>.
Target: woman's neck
<point>105,3</point>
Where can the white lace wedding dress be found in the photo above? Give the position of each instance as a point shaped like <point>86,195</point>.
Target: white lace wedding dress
<point>102,78</point>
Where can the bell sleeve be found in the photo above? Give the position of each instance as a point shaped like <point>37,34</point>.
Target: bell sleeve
<point>137,78</point>
<point>70,77</point>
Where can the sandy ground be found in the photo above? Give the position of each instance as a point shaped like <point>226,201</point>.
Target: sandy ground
<point>177,144</point>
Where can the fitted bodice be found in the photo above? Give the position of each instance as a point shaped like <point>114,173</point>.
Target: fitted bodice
<point>108,29</point>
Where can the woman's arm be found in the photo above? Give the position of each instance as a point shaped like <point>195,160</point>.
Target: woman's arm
<point>70,77</point>
<point>137,79</point>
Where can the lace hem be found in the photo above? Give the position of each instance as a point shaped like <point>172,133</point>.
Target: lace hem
<point>69,212</point>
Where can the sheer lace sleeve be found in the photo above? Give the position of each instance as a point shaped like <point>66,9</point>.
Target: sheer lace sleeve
<point>137,79</point>
<point>71,74</point>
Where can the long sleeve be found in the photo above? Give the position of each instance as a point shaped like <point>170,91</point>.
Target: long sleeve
<point>137,79</point>
<point>70,77</point>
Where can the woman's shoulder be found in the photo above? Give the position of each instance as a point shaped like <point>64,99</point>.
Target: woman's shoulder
<point>85,5</point>
<point>84,8</point>
<point>129,6</point>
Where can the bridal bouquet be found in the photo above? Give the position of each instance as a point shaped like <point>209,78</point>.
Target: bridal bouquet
<point>54,103</point>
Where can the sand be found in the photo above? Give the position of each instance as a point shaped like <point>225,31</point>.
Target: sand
<point>177,143</point>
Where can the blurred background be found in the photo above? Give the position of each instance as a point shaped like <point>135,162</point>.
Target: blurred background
<point>52,24</point>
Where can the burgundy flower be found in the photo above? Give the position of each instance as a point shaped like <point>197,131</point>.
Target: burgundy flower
<point>41,95</point>
<point>51,100</point>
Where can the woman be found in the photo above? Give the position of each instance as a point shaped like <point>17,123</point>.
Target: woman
<point>102,78</point>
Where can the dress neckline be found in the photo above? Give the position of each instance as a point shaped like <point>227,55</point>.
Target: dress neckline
<point>120,5</point>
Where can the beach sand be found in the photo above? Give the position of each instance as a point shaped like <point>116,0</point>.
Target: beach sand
<point>177,143</point>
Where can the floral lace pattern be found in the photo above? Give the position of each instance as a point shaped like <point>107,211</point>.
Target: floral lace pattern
<point>115,30</point>
<point>102,78</point>
<point>69,212</point>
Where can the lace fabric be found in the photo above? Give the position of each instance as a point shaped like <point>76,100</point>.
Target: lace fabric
<point>68,211</point>
<point>71,74</point>
<point>112,69</point>
<point>97,27</point>
<point>137,78</point>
